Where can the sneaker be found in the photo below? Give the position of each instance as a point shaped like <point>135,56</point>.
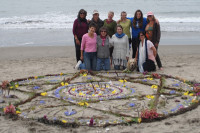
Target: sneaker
<point>77,65</point>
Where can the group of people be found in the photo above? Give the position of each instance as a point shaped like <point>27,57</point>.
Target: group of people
<point>100,44</point>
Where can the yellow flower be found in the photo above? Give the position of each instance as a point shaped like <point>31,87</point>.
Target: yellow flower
<point>64,121</point>
<point>84,75</point>
<point>115,121</point>
<point>121,81</point>
<point>150,78</point>
<point>43,93</point>
<point>66,84</point>
<point>16,86</point>
<point>125,80</point>
<point>61,74</point>
<point>62,83</point>
<point>93,95</point>
<point>100,94</point>
<point>81,103</point>
<point>86,104</point>
<point>154,87</point>
<point>18,112</point>
<point>11,87</point>
<point>35,77</point>
<point>73,89</point>
<point>191,94</point>
<point>107,72</point>
<point>113,92</point>
<point>150,96</point>
<point>81,94</point>
<point>139,120</point>
<point>107,86</point>
<point>186,93</point>
<point>124,85</point>
<point>96,86</point>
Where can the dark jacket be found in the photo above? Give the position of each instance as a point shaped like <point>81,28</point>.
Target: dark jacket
<point>80,28</point>
<point>156,34</point>
<point>99,24</point>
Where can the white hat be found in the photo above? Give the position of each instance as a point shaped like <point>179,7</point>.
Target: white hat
<point>95,12</point>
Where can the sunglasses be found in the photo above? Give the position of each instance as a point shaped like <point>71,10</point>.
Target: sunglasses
<point>141,35</point>
<point>82,13</point>
<point>103,31</point>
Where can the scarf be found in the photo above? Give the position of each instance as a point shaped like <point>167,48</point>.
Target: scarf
<point>119,35</point>
<point>108,22</point>
<point>103,38</point>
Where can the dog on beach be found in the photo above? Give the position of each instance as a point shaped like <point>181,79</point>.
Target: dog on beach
<point>131,65</point>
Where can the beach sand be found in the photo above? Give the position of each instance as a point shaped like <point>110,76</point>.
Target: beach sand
<point>21,62</point>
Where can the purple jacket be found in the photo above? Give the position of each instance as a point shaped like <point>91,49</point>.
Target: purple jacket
<point>80,28</point>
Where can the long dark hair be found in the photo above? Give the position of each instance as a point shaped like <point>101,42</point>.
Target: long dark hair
<point>140,20</point>
<point>143,33</point>
<point>82,19</point>
<point>81,11</point>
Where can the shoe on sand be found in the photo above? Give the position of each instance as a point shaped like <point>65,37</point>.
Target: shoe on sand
<point>77,65</point>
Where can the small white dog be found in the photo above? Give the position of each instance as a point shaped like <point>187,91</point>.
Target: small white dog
<point>131,65</point>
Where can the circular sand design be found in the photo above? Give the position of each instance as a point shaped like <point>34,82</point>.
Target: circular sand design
<point>101,99</point>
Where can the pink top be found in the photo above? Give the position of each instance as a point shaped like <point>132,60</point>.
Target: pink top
<point>89,44</point>
<point>150,51</point>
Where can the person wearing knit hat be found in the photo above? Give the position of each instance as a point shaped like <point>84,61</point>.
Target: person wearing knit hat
<point>153,34</point>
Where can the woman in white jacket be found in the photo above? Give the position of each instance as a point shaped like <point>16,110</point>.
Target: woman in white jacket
<point>120,43</point>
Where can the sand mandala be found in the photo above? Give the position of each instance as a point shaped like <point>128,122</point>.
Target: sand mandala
<point>98,99</point>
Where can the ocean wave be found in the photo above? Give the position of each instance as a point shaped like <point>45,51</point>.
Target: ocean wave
<point>65,21</point>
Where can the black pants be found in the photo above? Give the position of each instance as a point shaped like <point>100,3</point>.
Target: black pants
<point>78,49</point>
<point>135,42</point>
<point>158,59</point>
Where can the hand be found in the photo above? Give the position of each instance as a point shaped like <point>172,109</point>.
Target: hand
<point>135,59</point>
<point>77,42</point>
<point>156,45</point>
<point>157,21</point>
<point>81,58</point>
<point>118,21</point>
<point>127,58</point>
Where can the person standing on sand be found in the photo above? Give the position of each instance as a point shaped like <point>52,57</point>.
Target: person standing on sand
<point>121,48</point>
<point>97,21</point>
<point>153,34</point>
<point>145,55</point>
<point>138,23</point>
<point>89,48</point>
<point>103,53</point>
<point>110,24</point>
<point>80,27</point>
<point>126,24</point>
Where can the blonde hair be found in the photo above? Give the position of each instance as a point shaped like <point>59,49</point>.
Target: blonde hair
<point>111,12</point>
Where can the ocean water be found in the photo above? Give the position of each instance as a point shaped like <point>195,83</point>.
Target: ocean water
<point>39,22</point>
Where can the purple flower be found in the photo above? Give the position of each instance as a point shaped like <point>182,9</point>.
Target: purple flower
<point>131,104</point>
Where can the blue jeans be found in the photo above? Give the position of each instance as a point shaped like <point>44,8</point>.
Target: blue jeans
<point>103,64</point>
<point>117,67</point>
<point>90,60</point>
<point>82,66</point>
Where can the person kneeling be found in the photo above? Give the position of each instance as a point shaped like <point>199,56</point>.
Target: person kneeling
<point>145,54</point>
<point>103,52</point>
